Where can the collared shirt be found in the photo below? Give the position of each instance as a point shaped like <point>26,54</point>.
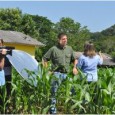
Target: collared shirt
<point>60,57</point>
<point>89,66</point>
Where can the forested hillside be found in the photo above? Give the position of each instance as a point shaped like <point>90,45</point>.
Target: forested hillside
<point>105,40</point>
<point>44,30</point>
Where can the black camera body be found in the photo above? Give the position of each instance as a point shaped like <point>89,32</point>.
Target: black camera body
<point>8,48</point>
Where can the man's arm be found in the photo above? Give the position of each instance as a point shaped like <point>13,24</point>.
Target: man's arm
<point>3,53</point>
<point>75,71</point>
<point>75,61</point>
<point>2,63</point>
<point>45,63</point>
<point>47,57</point>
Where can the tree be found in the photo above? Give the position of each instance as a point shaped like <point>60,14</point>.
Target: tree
<point>105,40</point>
<point>28,26</point>
<point>67,25</point>
<point>44,27</point>
<point>109,31</point>
<point>10,19</point>
<point>77,35</point>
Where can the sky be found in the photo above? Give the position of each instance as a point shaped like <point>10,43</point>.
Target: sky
<point>96,15</point>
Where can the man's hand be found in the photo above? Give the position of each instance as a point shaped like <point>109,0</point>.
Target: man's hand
<point>45,64</point>
<point>75,71</point>
<point>4,51</point>
<point>50,73</point>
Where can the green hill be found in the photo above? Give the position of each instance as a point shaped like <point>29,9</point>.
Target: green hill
<point>105,40</point>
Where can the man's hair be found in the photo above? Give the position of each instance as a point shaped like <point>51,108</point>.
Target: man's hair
<point>89,49</point>
<point>61,35</point>
<point>1,40</point>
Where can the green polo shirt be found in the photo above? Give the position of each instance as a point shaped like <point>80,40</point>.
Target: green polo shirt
<point>60,57</point>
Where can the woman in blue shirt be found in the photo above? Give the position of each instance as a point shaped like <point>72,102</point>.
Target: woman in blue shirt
<point>88,62</point>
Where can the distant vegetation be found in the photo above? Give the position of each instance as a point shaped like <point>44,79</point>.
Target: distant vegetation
<point>105,40</point>
<point>42,29</point>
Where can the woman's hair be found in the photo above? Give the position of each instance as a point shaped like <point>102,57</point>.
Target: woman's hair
<point>89,49</point>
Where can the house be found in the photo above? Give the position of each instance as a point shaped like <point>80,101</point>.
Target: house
<point>107,60</point>
<point>20,41</point>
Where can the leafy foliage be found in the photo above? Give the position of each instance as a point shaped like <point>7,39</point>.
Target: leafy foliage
<point>105,40</point>
<point>74,96</point>
<point>10,19</point>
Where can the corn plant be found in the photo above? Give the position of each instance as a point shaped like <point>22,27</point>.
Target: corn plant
<point>74,96</point>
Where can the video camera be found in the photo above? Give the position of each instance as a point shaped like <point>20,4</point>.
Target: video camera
<point>8,48</point>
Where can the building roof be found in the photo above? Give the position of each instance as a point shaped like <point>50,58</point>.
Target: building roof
<point>107,60</point>
<point>18,38</point>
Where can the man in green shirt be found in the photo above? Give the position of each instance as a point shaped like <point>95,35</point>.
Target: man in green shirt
<point>61,57</point>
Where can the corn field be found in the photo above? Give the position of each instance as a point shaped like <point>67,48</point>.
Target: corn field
<point>86,98</point>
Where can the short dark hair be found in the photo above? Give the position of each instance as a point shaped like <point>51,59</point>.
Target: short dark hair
<point>61,35</point>
<point>1,40</point>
